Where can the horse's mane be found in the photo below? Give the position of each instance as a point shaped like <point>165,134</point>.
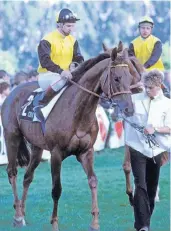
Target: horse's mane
<point>87,65</point>
<point>138,66</point>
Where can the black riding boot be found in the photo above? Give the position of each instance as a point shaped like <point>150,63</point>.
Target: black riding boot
<point>47,96</point>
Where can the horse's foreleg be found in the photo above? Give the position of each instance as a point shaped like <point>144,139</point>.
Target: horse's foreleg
<point>86,159</point>
<point>36,155</point>
<point>56,161</point>
<point>127,171</point>
<point>12,145</point>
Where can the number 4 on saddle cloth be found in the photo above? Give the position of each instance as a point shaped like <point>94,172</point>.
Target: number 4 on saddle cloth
<point>27,110</point>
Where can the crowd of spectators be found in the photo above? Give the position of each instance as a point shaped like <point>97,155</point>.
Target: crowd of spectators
<point>8,83</point>
<point>24,23</point>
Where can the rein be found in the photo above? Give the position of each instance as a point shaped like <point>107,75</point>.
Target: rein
<point>100,96</point>
<point>149,138</point>
<point>85,89</point>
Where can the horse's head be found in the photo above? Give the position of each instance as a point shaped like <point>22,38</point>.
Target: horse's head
<point>135,67</point>
<point>116,81</point>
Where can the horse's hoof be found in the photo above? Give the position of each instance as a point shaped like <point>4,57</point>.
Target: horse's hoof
<point>19,222</point>
<point>55,228</point>
<point>157,199</point>
<point>92,229</point>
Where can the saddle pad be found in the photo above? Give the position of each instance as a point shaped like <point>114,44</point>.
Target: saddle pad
<point>27,112</point>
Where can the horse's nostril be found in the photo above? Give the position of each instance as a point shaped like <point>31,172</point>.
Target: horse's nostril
<point>127,109</point>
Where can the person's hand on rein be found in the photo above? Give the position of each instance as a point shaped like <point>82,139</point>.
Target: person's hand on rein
<point>66,74</point>
<point>149,130</point>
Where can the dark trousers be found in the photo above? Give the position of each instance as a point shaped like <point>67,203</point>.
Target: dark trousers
<point>146,177</point>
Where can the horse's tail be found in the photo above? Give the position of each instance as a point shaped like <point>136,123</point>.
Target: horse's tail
<point>23,155</point>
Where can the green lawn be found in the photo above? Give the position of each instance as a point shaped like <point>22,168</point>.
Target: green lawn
<point>75,203</point>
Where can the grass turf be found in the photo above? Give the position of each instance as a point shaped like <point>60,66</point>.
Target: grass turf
<point>75,203</point>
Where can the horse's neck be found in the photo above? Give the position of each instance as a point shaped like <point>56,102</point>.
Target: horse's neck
<point>134,72</point>
<point>90,81</point>
<point>92,77</point>
<point>138,66</point>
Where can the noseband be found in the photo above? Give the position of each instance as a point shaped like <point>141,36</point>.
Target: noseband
<point>109,84</point>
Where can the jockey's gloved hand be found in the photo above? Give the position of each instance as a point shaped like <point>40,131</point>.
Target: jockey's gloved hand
<point>73,65</point>
<point>66,74</point>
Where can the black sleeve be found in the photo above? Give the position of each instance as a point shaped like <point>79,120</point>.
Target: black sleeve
<point>166,91</point>
<point>131,50</point>
<point>156,53</point>
<point>44,50</point>
<point>77,56</point>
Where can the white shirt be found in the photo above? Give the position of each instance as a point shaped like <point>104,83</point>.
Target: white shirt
<point>156,112</point>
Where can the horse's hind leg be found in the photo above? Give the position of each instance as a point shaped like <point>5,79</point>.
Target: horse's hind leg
<point>36,155</point>
<point>56,161</point>
<point>86,160</point>
<point>12,146</point>
<point>127,171</point>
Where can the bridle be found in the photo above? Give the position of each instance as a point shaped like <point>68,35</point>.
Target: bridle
<point>108,78</point>
<point>109,84</point>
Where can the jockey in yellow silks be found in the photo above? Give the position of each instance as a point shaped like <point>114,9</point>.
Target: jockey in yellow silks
<point>147,48</point>
<point>56,52</point>
<point>61,51</point>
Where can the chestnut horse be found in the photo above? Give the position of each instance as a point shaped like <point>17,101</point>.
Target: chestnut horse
<point>70,129</point>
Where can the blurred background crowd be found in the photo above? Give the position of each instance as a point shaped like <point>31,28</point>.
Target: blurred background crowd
<point>24,23</point>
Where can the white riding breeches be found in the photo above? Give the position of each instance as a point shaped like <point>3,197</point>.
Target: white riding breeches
<point>52,79</point>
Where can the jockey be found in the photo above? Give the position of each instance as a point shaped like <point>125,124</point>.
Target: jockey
<point>57,51</point>
<point>147,48</point>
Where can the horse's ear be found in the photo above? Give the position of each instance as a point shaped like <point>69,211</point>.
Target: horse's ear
<point>114,54</point>
<point>105,48</point>
<point>125,53</point>
<point>120,46</point>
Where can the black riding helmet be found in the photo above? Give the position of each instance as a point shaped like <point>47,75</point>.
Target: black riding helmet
<point>66,15</point>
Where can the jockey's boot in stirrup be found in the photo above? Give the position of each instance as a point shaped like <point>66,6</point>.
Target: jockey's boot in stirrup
<point>46,98</point>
